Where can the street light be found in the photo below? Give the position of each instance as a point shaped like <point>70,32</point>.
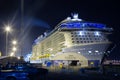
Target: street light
<point>14,42</point>
<point>12,54</point>
<point>14,49</point>
<point>7,29</point>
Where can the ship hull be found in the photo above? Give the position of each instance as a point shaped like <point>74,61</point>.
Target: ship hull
<point>90,51</point>
<point>88,55</point>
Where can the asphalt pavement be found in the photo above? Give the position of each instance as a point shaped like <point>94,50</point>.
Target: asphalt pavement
<point>78,76</point>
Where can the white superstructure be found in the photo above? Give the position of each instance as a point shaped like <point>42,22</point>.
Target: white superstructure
<point>73,39</point>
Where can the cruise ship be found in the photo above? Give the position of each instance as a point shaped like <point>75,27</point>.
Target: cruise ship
<point>73,42</point>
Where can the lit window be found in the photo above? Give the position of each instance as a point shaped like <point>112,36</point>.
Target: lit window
<point>92,63</point>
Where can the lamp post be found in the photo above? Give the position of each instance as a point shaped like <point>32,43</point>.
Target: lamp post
<point>7,29</point>
<point>14,42</point>
<point>14,48</point>
<point>13,51</point>
<point>12,54</point>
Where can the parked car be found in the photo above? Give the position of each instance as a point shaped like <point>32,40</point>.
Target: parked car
<point>31,69</point>
<point>13,75</point>
<point>22,71</point>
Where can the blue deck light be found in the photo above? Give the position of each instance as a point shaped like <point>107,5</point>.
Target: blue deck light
<point>82,25</point>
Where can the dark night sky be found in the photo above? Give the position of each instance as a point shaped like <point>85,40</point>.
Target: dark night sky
<point>43,15</point>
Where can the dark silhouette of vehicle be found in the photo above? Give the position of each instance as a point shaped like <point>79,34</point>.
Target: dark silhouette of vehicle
<point>22,71</point>
<point>13,75</point>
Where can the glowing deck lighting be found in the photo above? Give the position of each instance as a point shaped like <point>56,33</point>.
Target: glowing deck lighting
<point>97,33</point>
<point>51,49</point>
<point>92,63</point>
<point>90,51</point>
<point>81,33</point>
<point>96,51</point>
<point>79,52</point>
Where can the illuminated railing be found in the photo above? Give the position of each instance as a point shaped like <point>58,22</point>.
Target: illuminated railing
<point>82,25</point>
<point>44,56</point>
<point>113,62</point>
